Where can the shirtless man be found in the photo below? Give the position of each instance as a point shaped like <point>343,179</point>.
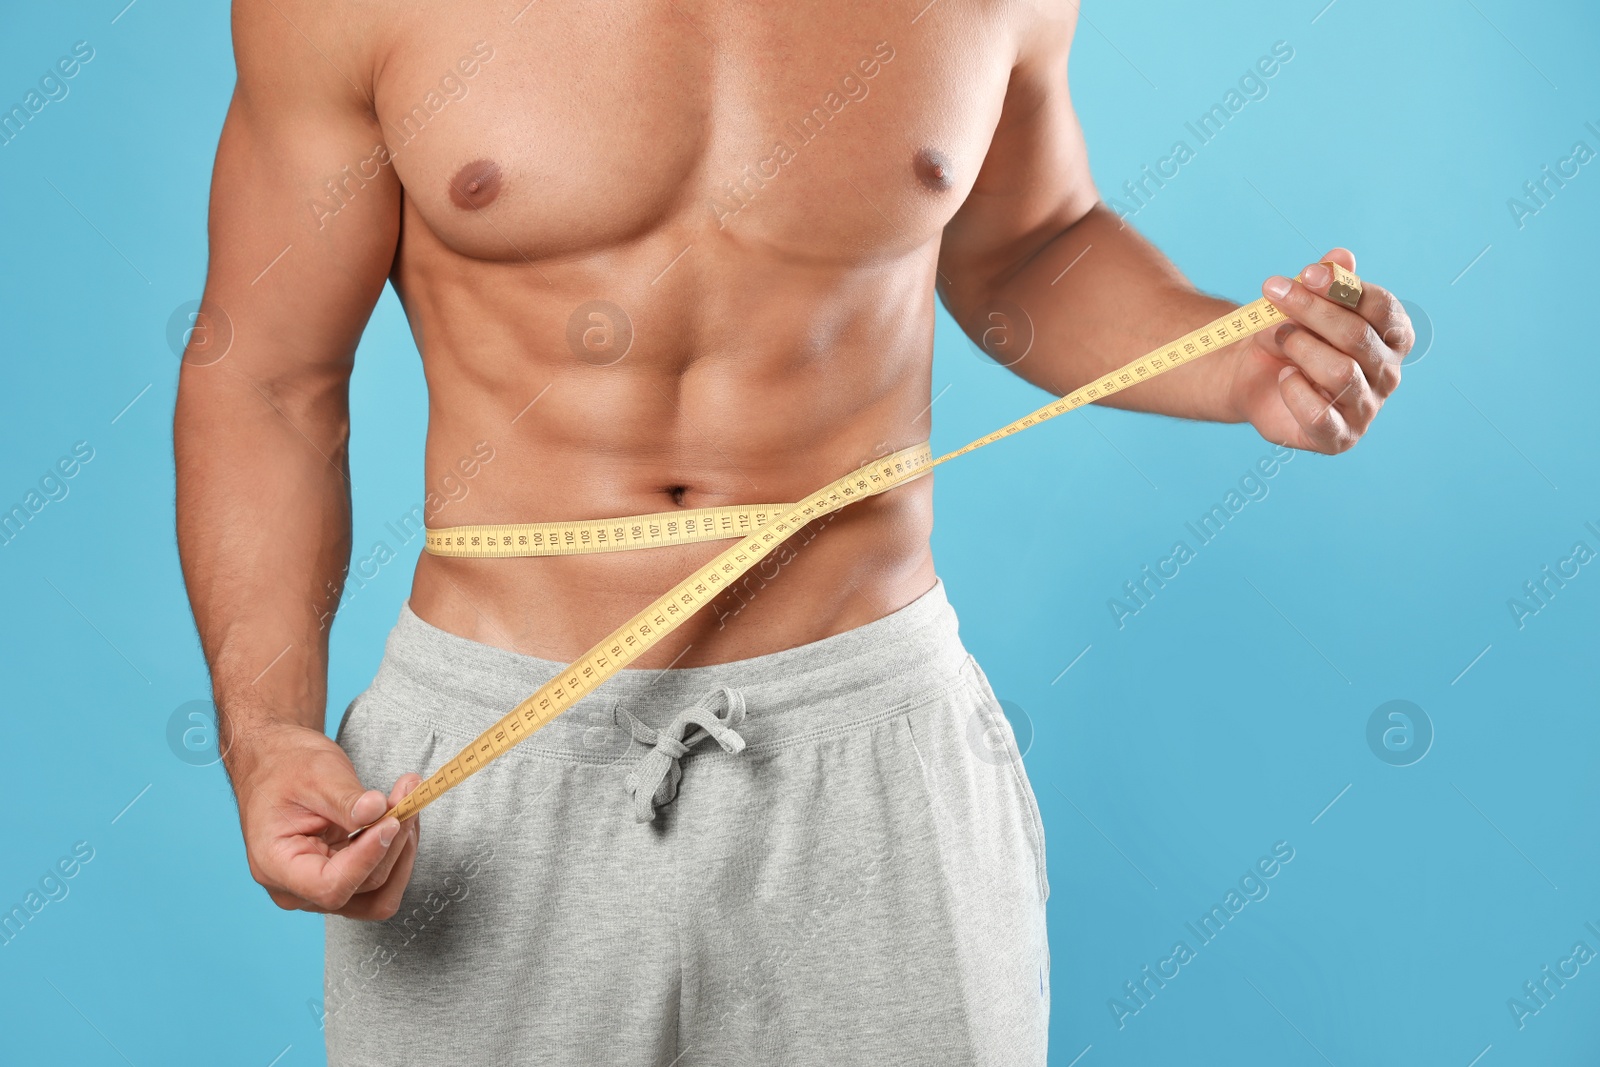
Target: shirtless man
<point>664,256</point>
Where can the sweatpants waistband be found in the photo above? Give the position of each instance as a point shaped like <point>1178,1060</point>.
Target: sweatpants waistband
<point>459,687</point>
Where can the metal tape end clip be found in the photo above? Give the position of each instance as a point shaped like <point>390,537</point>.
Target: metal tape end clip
<point>1345,289</point>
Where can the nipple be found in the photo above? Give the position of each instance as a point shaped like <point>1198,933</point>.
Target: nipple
<point>933,169</point>
<point>476,184</point>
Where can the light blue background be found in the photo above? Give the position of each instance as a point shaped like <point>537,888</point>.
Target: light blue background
<point>1224,717</point>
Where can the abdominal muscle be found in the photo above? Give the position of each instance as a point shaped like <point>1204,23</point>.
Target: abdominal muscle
<point>734,389</point>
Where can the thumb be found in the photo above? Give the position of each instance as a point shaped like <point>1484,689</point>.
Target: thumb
<point>332,790</point>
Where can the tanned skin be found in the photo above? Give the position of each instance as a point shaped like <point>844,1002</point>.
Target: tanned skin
<point>774,341</point>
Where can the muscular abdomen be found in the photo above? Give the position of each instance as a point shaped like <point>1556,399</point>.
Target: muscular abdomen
<point>616,399</point>
<point>703,279</point>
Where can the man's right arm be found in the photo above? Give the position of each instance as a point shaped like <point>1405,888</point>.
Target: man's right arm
<point>260,435</point>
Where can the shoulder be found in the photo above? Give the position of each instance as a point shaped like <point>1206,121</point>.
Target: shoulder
<point>316,47</point>
<point>1044,33</point>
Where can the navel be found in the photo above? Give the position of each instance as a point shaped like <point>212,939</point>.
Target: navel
<point>933,169</point>
<point>475,185</point>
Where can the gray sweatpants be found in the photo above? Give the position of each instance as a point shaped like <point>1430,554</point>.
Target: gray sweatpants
<point>828,855</point>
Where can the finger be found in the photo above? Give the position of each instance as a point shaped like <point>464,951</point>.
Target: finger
<point>294,874</point>
<point>379,873</point>
<point>330,881</point>
<point>1271,341</point>
<point>1320,421</point>
<point>402,786</point>
<point>1392,323</point>
<point>1306,302</point>
<point>331,789</point>
<point>384,902</point>
<point>290,902</point>
<point>1336,375</point>
<point>1342,256</point>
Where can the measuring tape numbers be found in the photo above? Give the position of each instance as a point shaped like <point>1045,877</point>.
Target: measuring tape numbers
<point>760,528</point>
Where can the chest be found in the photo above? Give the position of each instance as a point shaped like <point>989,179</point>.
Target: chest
<point>557,128</point>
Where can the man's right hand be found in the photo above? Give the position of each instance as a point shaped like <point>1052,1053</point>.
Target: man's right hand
<point>299,801</point>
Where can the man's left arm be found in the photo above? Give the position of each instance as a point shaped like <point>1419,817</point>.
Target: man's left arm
<point>1033,237</point>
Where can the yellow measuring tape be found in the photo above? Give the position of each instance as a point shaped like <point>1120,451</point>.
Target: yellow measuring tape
<point>604,535</point>
<point>760,529</point>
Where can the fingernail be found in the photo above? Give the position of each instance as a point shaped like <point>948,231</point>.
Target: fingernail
<point>1277,287</point>
<point>1316,274</point>
<point>1284,373</point>
<point>386,834</point>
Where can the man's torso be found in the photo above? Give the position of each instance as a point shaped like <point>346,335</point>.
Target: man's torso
<point>676,255</point>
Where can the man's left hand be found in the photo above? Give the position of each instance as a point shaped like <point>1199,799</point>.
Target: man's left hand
<point>1317,381</point>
